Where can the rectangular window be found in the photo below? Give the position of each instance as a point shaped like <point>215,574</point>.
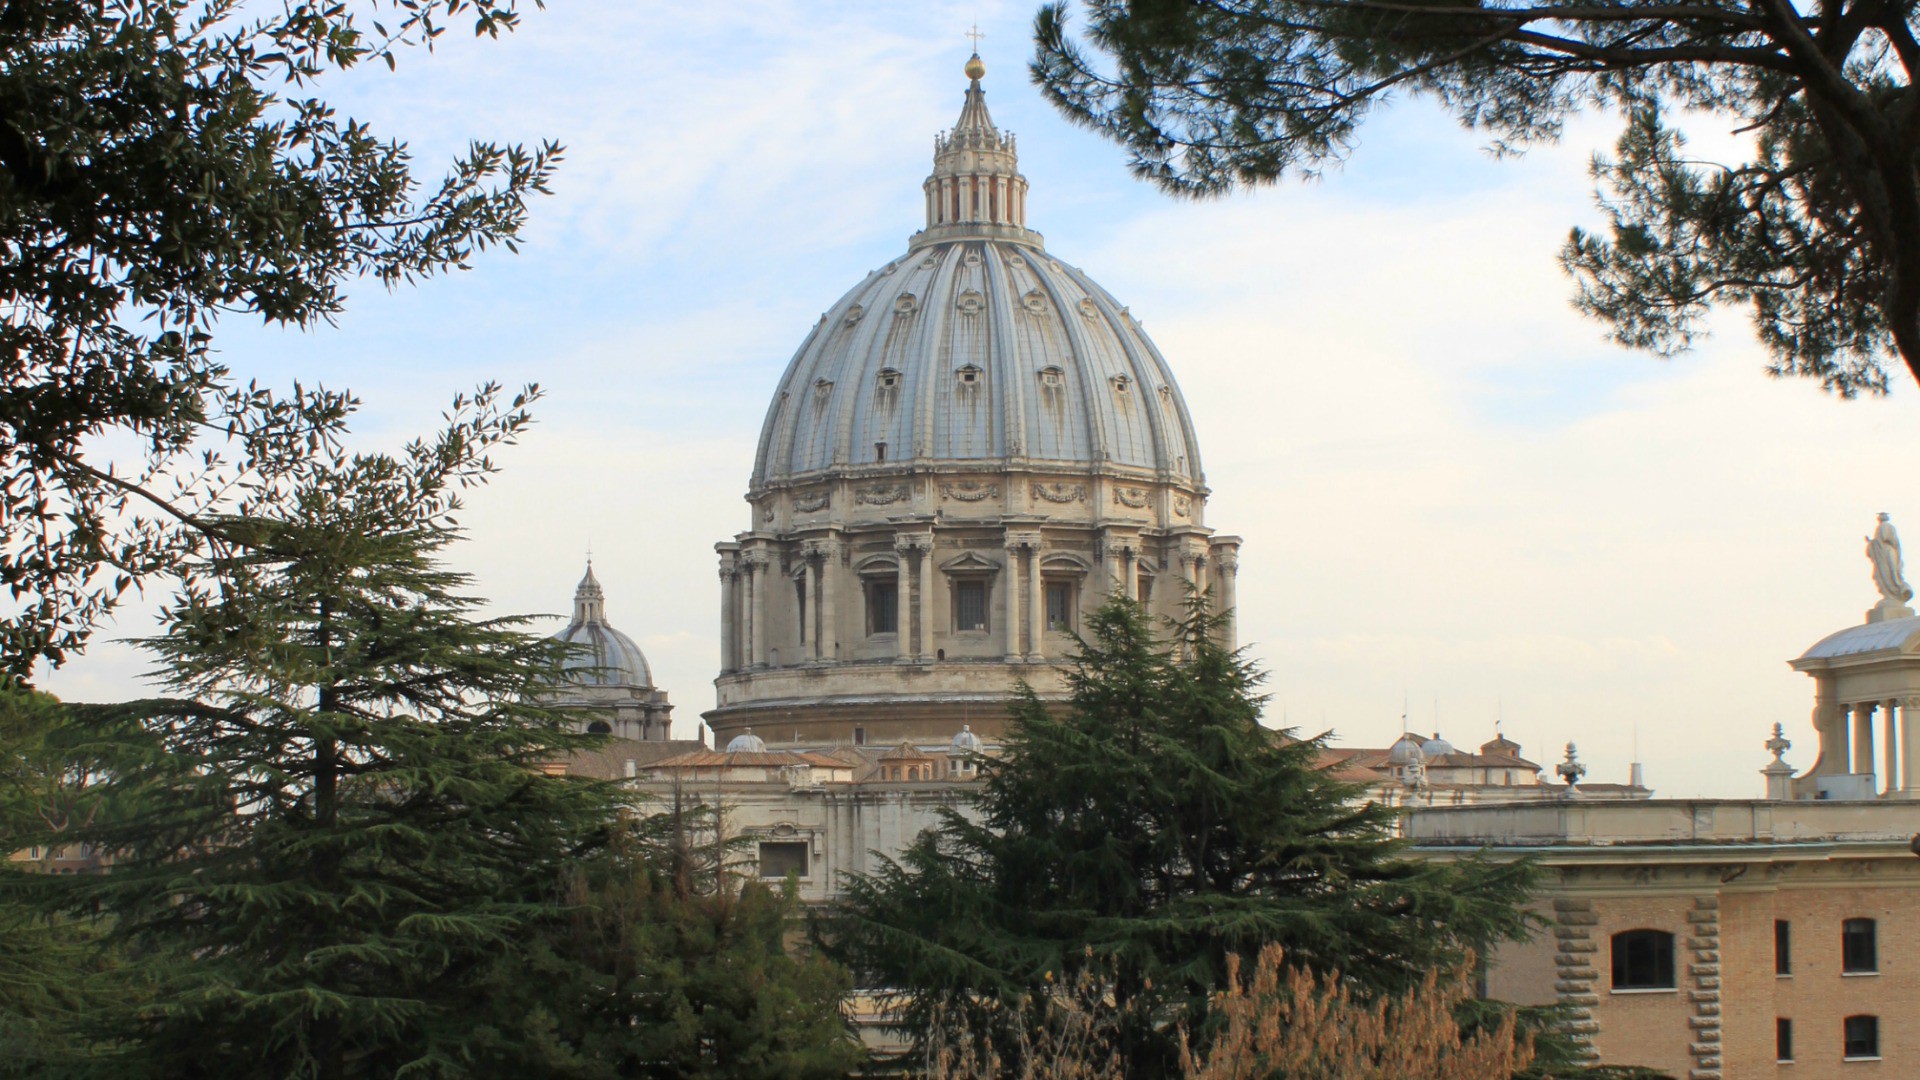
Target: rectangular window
<point>1643,960</point>
<point>1859,949</point>
<point>777,860</point>
<point>1782,947</point>
<point>800,591</point>
<point>1146,590</point>
<point>969,605</point>
<point>1059,605</point>
<point>859,736</point>
<point>883,607</point>
<point>1863,1037</point>
<point>1783,1039</point>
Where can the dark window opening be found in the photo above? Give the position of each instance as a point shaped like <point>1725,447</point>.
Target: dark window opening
<point>1643,960</point>
<point>800,594</point>
<point>1783,1039</point>
<point>1782,947</point>
<point>859,736</point>
<point>969,605</point>
<point>599,727</point>
<point>1862,1036</point>
<point>1059,605</point>
<point>880,451</point>
<point>777,860</point>
<point>883,607</point>
<point>1859,947</point>
<point>1146,590</point>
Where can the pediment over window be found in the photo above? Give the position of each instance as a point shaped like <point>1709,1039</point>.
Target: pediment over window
<point>970,562</point>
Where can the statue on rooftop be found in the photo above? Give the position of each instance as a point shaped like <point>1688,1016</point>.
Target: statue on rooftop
<point>1883,548</point>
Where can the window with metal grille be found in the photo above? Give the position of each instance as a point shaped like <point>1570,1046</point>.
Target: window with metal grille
<point>1862,1034</point>
<point>778,859</point>
<point>970,605</point>
<point>1782,947</point>
<point>1859,947</point>
<point>1059,605</point>
<point>883,607</point>
<point>1643,960</point>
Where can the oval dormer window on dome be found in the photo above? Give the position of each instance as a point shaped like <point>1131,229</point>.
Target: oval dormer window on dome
<point>1121,384</point>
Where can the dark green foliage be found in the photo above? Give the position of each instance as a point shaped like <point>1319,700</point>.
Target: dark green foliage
<point>682,970</point>
<point>1146,832</point>
<point>53,970</point>
<point>335,837</point>
<point>164,162</point>
<point>1817,232</point>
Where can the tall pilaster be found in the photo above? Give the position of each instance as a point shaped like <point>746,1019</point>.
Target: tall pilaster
<point>1225,565</point>
<point>758,569</point>
<point>829,589</point>
<point>923,644</point>
<point>1013,543</point>
<point>729,602</point>
<point>1036,605</point>
<point>807,645</point>
<point>905,647</point>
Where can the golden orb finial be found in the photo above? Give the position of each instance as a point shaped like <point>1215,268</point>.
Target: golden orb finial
<point>975,68</point>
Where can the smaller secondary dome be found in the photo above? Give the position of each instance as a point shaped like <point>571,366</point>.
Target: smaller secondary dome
<point>1406,751</point>
<point>603,656</point>
<point>1436,746</point>
<point>747,743</point>
<point>966,741</point>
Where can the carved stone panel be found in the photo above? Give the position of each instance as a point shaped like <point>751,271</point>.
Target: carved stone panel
<point>881,495</point>
<point>1057,492</point>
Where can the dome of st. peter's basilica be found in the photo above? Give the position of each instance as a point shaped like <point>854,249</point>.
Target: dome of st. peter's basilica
<point>971,449</point>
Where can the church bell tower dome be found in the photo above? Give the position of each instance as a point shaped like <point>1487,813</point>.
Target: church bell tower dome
<point>973,447</point>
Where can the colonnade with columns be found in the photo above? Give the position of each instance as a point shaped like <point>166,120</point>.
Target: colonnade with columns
<point>1888,753</point>
<point>797,586</point>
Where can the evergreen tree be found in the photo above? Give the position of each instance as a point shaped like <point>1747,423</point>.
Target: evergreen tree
<point>340,834</point>
<point>1146,832</point>
<point>683,966</point>
<point>53,970</point>
<point>1812,223</point>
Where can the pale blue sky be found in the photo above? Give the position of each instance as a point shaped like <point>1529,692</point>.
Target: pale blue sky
<point>1451,488</point>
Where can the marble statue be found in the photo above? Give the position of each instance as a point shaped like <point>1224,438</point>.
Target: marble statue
<point>1883,548</point>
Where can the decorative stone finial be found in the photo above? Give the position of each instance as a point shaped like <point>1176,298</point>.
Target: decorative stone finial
<point>1779,774</point>
<point>1571,770</point>
<point>1779,743</point>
